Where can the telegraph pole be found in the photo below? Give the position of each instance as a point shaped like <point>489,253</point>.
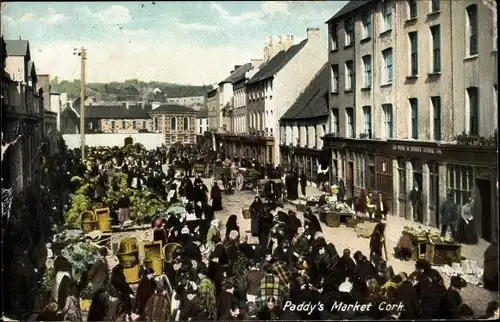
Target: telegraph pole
<point>83,56</point>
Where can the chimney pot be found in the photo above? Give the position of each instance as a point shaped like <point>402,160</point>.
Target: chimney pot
<point>313,33</point>
<point>279,39</point>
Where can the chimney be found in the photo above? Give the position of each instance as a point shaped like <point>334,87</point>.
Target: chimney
<point>292,39</point>
<point>236,67</point>
<point>270,40</point>
<point>313,33</point>
<point>256,62</point>
<point>279,39</point>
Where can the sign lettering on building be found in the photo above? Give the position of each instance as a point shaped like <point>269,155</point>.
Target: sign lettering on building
<point>416,149</point>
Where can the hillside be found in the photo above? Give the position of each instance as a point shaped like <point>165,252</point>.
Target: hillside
<point>109,90</point>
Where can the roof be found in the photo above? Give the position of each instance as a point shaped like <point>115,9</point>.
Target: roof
<point>275,64</point>
<point>238,74</point>
<point>202,113</point>
<point>173,108</point>
<point>17,47</point>
<point>31,67</point>
<point>114,112</point>
<point>313,101</point>
<point>349,7</point>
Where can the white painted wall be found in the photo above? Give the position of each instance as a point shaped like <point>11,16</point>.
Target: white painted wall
<point>201,125</point>
<point>149,140</point>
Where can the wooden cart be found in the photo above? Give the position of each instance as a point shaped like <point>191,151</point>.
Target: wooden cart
<point>200,169</point>
<point>419,246</point>
<point>247,179</point>
<point>440,253</point>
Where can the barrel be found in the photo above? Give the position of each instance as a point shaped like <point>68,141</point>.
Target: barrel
<point>88,220</point>
<point>332,219</point>
<point>103,219</point>
<point>128,252</point>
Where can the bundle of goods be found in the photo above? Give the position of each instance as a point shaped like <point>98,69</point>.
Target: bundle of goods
<point>81,256</point>
<point>467,269</point>
<point>424,235</point>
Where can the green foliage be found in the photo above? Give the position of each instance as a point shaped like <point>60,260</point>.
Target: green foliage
<point>469,140</point>
<point>79,203</point>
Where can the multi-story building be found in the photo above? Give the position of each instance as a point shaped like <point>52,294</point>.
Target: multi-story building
<point>389,128</point>
<point>201,121</point>
<point>274,88</point>
<point>22,115</point>
<point>304,124</point>
<point>212,102</point>
<point>239,112</point>
<point>176,122</point>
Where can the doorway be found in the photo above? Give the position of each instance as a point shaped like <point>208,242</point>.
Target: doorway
<point>350,179</point>
<point>484,187</point>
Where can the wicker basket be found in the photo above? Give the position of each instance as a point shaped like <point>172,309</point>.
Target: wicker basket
<point>132,274</point>
<point>103,219</point>
<point>351,222</point>
<point>128,245</point>
<point>128,260</point>
<point>332,219</point>
<point>153,249</point>
<point>89,221</point>
<point>156,264</point>
<point>246,213</point>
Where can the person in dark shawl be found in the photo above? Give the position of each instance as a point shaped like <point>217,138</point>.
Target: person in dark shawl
<point>119,282</point>
<point>188,190</point>
<point>466,228</point>
<point>311,223</point>
<point>231,224</point>
<point>208,215</point>
<point>449,212</point>
<point>303,183</point>
<point>452,299</point>
<point>159,232</point>
<point>256,209</point>
<point>291,187</point>
<point>216,196</point>
<point>377,240</point>
<point>145,290</point>
<point>360,206</point>
<point>404,248</point>
<point>364,269</point>
<point>265,225</point>
<point>294,225</point>
<point>158,307</point>
<point>346,266</point>
<point>190,305</point>
<point>490,265</point>
<point>300,244</point>
<point>246,249</point>
<point>226,298</point>
<point>116,309</point>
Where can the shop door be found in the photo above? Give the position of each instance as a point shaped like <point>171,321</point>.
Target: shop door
<point>484,187</point>
<point>350,179</point>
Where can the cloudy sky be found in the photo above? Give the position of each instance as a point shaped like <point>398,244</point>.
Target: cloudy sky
<point>177,42</point>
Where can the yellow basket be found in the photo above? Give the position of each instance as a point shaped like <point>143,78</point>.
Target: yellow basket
<point>132,274</point>
<point>128,245</point>
<point>153,249</point>
<point>246,213</point>
<point>88,220</point>
<point>332,219</point>
<point>156,264</point>
<point>103,219</point>
<point>128,260</point>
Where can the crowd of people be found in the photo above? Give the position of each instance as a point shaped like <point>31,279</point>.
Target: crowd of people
<point>216,274</point>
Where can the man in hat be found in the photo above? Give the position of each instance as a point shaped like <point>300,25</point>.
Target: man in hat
<point>98,274</point>
<point>449,214</point>
<point>453,298</point>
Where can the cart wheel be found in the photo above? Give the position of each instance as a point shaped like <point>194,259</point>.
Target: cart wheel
<point>240,182</point>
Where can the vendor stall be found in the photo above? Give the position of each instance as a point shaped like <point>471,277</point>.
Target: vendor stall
<point>434,248</point>
<point>338,212</point>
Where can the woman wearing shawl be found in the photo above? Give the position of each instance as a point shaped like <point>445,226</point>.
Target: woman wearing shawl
<point>145,290</point>
<point>190,308</point>
<point>120,285</point>
<point>404,248</point>
<point>311,223</point>
<point>466,229</point>
<point>213,231</point>
<point>377,242</point>
<point>158,307</point>
<point>207,296</point>
<point>115,308</point>
<point>232,224</point>
<point>360,206</point>
<point>216,196</point>
<point>256,209</point>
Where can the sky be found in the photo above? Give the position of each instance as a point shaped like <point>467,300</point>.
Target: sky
<point>177,42</point>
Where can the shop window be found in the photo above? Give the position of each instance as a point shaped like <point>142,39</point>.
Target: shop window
<point>460,182</point>
<point>434,182</point>
<point>417,172</point>
<point>360,169</point>
<point>402,177</point>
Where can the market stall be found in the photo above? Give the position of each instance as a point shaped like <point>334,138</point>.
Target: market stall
<point>434,248</point>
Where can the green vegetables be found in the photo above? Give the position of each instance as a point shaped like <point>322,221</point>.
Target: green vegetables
<point>81,255</point>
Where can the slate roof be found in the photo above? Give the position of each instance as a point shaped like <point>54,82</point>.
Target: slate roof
<point>115,112</point>
<point>173,108</point>
<point>275,64</point>
<point>237,74</point>
<point>349,7</point>
<point>202,113</point>
<point>17,47</point>
<point>313,101</point>
<point>31,67</point>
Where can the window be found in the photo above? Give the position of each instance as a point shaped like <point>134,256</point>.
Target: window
<point>350,122</point>
<point>201,130</point>
<point>134,124</point>
<point>436,108</point>
<point>436,48</point>
<point>123,124</point>
<point>387,54</point>
<point>173,124</point>
<point>367,114</point>
<point>367,62</point>
<point>460,182</point>
<point>335,120</point>
<point>333,37</point>
<point>402,177</point>
<point>186,124</point>
<point>387,12</point>
<point>412,8</point>
<point>473,97</point>
<point>335,78</point>
<point>367,25</point>
<point>360,169</point>
<point>113,126</point>
<point>349,31</point>
<point>472,26</point>
<point>349,71</point>
<point>435,5</point>
<point>414,118</point>
<point>388,121</point>
<point>413,36</point>
<point>433,182</point>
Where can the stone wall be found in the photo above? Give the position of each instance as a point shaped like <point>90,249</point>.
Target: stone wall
<point>149,140</point>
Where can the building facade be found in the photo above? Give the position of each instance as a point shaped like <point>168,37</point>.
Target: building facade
<point>176,122</point>
<point>201,121</point>
<point>406,112</point>
<point>304,124</point>
<point>212,101</point>
<point>194,102</point>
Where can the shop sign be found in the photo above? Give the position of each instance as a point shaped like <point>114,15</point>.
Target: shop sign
<point>416,149</point>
